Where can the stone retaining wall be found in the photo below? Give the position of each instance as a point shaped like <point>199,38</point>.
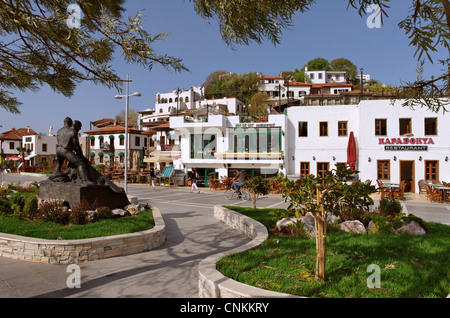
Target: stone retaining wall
<point>212,284</point>
<point>78,251</point>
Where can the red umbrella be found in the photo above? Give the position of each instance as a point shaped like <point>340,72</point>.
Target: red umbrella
<point>351,151</point>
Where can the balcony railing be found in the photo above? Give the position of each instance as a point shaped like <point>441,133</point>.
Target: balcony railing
<point>196,119</point>
<point>253,118</point>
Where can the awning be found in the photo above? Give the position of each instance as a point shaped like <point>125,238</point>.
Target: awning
<point>92,137</point>
<point>100,137</point>
<point>30,156</point>
<point>121,154</point>
<point>121,136</point>
<point>13,158</point>
<point>92,154</point>
<point>158,159</point>
<point>111,137</point>
<point>100,154</point>
<point>111,154</point>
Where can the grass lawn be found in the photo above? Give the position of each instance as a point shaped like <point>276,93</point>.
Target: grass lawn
<point>49,230</point>
<point>411,266</point>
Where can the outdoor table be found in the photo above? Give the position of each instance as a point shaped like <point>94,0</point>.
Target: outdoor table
<point>391,186</point>
<point>442,188</point>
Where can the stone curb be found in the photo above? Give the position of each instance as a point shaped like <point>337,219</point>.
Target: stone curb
<point>78,251</point>
<point>212,284</point>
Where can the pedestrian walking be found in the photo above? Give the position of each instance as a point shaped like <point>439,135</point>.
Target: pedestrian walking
<point>153,177</point>
<point>194,178</point>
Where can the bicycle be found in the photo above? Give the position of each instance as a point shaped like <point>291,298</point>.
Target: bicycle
<point>231,193</point>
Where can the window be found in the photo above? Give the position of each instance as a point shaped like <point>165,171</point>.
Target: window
<point>342,128</point>
<point>303,129</point>
<point>432,170</point>
<point>320,75</point>
<point>44,147</point>
<point>323,129</point>
<point>322,168</point>
<point>405,126</point>
<point>380,127</point>
<point>92,142</point>
<point>203,146</point>
<point>430,126</point>
<point>11,145</point>
<point>384,170</point>
<point>137,141</point>
<point>255,139</point>
<point>122,141</point>
<point>304,169</point>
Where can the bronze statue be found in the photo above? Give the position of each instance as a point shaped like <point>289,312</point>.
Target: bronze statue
<point>68,148</point>
<point>79,169</point>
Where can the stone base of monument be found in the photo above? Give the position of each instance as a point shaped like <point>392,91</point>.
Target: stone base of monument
<point>73,194</point>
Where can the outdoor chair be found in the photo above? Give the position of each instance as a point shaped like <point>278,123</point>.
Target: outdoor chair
<point>399,193</point>
<point>213,183</point>
<point>422,188</point>
<point>385,193</point>
<point>433,194</point>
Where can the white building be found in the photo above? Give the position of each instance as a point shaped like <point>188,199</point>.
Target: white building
<point>322,77</point>
<point>189,105</point>
<point>328,85</point>
<point>107,146</point>
<point>393,142</point>
<point>40,149</point>
<point>220,144</point>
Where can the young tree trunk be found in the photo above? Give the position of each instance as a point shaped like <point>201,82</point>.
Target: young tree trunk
<point>320,242</point>
<point>254,200</point>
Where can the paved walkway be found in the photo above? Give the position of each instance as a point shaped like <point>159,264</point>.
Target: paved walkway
<point>192,234</point>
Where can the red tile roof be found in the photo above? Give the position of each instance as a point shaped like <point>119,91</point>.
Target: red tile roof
<point>17,134</point>
<point>112,130</point>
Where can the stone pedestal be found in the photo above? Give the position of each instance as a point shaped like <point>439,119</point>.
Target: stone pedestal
<point>73,193</point>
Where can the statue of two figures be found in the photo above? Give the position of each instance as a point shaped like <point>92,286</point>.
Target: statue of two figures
<point>79,169</point>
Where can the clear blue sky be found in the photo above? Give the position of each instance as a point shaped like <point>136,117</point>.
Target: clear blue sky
<point>329,30</point>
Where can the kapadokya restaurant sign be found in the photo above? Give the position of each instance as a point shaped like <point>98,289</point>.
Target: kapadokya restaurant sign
<point>406,144</point>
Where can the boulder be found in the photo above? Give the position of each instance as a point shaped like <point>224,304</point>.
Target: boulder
<point>285,222</point>
<point>412,228</point>
<point>120,212</point>
<point>134,208</point>
<point>353,227</point>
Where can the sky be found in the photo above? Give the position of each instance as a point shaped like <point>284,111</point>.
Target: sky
<point>330,30</point>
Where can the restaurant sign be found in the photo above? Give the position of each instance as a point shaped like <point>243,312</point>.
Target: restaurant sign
<point>406,144</point>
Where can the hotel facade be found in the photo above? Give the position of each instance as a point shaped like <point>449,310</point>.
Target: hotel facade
<point>392,142</point>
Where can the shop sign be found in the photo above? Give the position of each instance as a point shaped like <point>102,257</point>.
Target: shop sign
<point>405,144</point>
<point>406,148</point>
<point>254,125</point>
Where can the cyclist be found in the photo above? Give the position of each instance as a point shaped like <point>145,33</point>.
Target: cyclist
<point>240,176</point>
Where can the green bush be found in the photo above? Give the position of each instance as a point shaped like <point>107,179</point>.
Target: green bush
<point>103,213</point>
<point>53,212</point>
<point>390,207</point>
<point>5,207</point>
<point>30,207</point>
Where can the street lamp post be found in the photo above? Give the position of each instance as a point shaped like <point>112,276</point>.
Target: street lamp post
<point>127,99</point>
<point>362,85</point>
